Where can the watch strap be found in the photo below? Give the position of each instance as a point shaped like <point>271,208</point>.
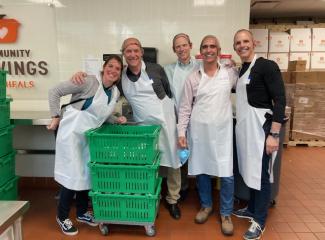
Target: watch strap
<point>275,135</point>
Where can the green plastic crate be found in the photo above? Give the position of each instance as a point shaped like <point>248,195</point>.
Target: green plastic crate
<point>141,179</point>
<point>5,112</point>
<point>123,144</point>
<point>126,208</point>
<point>3,84</point>
<point>7,167</point>
<point>6,140</point>
<point>9,190</point>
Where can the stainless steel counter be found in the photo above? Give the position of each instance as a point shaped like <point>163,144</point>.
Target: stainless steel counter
<point>35,144</point>
<point>30,117</point>
<point>11,215</point>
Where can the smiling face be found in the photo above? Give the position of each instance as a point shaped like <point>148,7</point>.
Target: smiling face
<point>132,52</point>
<point>244,45</point>
<point>210,49</point>
<point>111,72</point>
<point>182,47</point>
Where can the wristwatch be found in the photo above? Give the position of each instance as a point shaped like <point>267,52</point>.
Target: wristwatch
<point>275,135</point>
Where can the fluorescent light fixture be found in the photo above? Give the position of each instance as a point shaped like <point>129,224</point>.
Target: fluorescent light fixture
<point>55,3</point>
<point>205,3</point>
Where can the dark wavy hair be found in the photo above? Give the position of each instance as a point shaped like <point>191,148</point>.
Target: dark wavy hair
<point>118,59</point>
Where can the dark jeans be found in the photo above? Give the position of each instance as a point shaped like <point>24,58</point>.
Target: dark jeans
<point>259,200</point>
<point>65,202</point>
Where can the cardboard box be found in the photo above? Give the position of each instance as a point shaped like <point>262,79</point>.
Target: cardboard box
<point>303,77</point>
<point>263,55</point>
<point>318,40</point>
<point>286,77</point>
<point>307,77</point>
<point>298,135</point>
<point>301,56</point>
<point>290,89</point>
<point>308,122</point>
<point>279,42</point>
<point>261,39</point>
<point>287,125</point>
<point>300,40</point>
<point>299,66</point>
<point>281,59</point>
<point>317,61</point>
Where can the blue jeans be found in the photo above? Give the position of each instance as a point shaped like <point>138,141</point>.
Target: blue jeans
<point>203,182</point>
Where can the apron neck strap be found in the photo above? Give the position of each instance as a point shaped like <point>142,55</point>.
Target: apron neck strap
<point>251,64</point>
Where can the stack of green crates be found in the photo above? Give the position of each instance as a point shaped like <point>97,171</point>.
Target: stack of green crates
<point>8,180</point>
<point>124,164</point>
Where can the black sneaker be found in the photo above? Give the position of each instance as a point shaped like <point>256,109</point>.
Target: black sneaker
<point>67,227</point>
<point>254,232</point>
<point>243,213</point>
<point>87,218</point>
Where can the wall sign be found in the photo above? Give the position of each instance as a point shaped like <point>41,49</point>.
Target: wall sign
<point>28,50</point>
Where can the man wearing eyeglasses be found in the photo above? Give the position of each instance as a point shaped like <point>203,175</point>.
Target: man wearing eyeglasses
<point>206,108</point>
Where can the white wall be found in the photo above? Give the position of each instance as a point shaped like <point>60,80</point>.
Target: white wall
<point>90,28</point>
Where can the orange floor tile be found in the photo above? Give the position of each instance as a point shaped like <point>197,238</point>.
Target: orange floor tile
<point>299,212</point>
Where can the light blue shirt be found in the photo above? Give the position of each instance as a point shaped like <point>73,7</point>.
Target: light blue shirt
<point>177,85</point>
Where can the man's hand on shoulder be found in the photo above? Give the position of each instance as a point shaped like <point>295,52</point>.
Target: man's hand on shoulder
<point>79,78</point>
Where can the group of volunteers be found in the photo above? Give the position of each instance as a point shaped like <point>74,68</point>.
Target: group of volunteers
<point>191,100</point>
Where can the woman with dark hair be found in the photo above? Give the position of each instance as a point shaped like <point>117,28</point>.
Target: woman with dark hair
<point>91,105</point>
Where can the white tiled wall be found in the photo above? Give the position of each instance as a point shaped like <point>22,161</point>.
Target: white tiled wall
<point>90,28</point>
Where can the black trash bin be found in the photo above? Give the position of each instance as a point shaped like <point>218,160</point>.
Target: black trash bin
<point>241,189</point>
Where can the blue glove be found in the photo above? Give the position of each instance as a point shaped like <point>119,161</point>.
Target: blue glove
<point>183,155</point>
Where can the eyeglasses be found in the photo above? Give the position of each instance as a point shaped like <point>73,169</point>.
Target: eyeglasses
<point>212,46</point>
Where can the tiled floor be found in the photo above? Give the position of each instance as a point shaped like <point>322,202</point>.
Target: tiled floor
<point>299,212</point>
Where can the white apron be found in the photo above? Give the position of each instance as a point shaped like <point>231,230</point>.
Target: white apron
<point>177,86</point>
<point>211,127</point>
<point>250,136</point>
<point>178,82</point>
<point>149,109</point>
<point>72,153</point>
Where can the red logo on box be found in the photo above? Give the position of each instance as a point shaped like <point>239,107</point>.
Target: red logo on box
<point>8,30</point>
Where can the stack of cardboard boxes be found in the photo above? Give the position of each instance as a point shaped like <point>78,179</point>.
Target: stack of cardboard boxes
<point>301,44</point>
<point>300,54</point>
<point>305,92</point>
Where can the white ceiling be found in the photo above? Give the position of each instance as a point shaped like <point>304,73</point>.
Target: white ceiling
<point>287,8</point>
